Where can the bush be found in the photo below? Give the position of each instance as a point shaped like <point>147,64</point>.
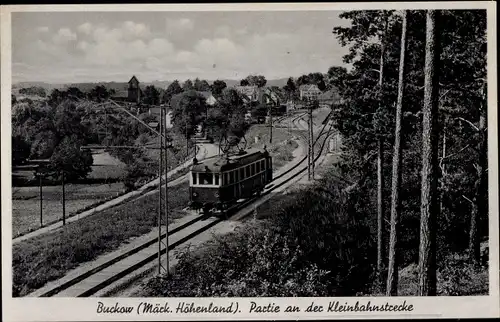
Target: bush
<point>456,277</point>
<point>316,244</point>
<point>253,263</point>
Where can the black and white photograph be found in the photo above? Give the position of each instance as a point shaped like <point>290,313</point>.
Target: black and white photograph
<point>279,153</point>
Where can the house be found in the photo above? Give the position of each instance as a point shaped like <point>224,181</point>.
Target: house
<point>209,98</point>
<point>249,93</point>
<point>309,92</point>
<point>268,96</point>
<point>130,92</point>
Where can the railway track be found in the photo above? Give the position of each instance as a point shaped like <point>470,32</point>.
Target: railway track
<point>115,269</point>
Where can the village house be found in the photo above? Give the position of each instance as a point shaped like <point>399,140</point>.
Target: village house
<point>131,92</point>
<point>309,92</point>
<point>249,93</point>
<point>209,98</point>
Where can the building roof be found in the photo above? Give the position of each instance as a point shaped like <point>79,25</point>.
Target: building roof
<point>121,94</point>
<point>133,78</point>
<point>224,163</point>
<point>309,87</point>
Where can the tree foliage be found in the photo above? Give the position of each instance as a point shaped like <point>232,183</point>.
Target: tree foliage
<point>188,111</point>
<point>173,89</point>
<point>368,112</point>
<point>217,87</point>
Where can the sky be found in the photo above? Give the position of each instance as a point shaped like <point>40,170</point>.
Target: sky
<point>70,47</point>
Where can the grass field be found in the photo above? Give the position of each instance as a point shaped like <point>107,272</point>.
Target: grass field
<point>26,203</point>
<point>49,256</point>
<point>26,200</point>
<point>281,148</point>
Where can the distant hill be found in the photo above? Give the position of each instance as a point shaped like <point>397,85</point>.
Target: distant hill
<point>119,86</point>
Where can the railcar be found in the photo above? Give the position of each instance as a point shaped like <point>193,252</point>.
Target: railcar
<point>217,183</point>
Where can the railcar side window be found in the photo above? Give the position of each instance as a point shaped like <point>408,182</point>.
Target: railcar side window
<point>253,168</point>
<point>263,164</point>
<point>206,178</point>
<point>194,177</point>
<point>225,181</point>
<point>258,166</point>
<point>216,179</point>
<point>231,177</point>
<point>242,174</point>
<point>247,171</point>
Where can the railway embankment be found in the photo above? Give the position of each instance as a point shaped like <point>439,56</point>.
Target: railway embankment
<point>63,252</point>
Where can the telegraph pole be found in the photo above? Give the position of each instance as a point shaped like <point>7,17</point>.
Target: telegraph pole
<point>166,193</point>
<point>160,174</point>
<point>312,140</point>
<point>41,199</point>
<point>270,125</point>
<point>63,199</point>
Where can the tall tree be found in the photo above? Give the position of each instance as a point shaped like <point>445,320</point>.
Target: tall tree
<point>244,82</point>
<point>217,87</point>
<point>188,85</point>
<point>188,111</point>
<point>256,80</point>
<point>336,77</point>
<point>201,85</point>
<point>429,198</point>
<point>173,89</point>
<point>290,88</point>
<point>151,95</point>
<point>392,275</point>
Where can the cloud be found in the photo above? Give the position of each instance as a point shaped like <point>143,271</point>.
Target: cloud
<point>42,29</point>
<point>136,29</point>
<point>181,24</point>
<point>63,36</point>
<point>85,28</point>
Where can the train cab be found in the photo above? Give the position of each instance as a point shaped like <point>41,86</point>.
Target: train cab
<point>218,182</point>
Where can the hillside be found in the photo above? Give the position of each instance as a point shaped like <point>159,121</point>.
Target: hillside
<point>118,86</point>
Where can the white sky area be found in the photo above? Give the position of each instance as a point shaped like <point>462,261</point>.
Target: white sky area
<point>65,47</point>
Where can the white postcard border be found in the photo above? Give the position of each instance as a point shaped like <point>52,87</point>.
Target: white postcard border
<point>64,309</point>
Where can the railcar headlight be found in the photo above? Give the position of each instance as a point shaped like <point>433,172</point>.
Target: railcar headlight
<point>217,194</point>
<point>195,194</point>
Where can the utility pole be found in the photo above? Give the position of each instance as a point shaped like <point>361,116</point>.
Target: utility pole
<point>312,140</point>
<point>160,174</point>
<point>270,124</point>
<point>41,199</point>
<point>166,196</point>
<point>63,199</point>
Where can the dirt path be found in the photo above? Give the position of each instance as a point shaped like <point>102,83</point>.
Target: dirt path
<point>205,151</point>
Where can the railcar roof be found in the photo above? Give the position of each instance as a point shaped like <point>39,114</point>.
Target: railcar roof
<point>223,163</point>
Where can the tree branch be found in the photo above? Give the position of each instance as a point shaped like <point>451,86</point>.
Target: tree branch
<point>468,122</point>
<point>468,199</point>
<point>453,154</point>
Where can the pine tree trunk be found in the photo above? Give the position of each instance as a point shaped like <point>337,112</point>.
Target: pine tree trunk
<point>392,278</point>
<point>380,209</point>
<point>429,202</point>
<point>380,165</point>
<point>480,207</point>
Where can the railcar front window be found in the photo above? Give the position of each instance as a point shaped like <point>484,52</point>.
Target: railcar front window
<point>216,179</point>
<point>206,178</point>
<point>194,177</point>
<point>231,177</point>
